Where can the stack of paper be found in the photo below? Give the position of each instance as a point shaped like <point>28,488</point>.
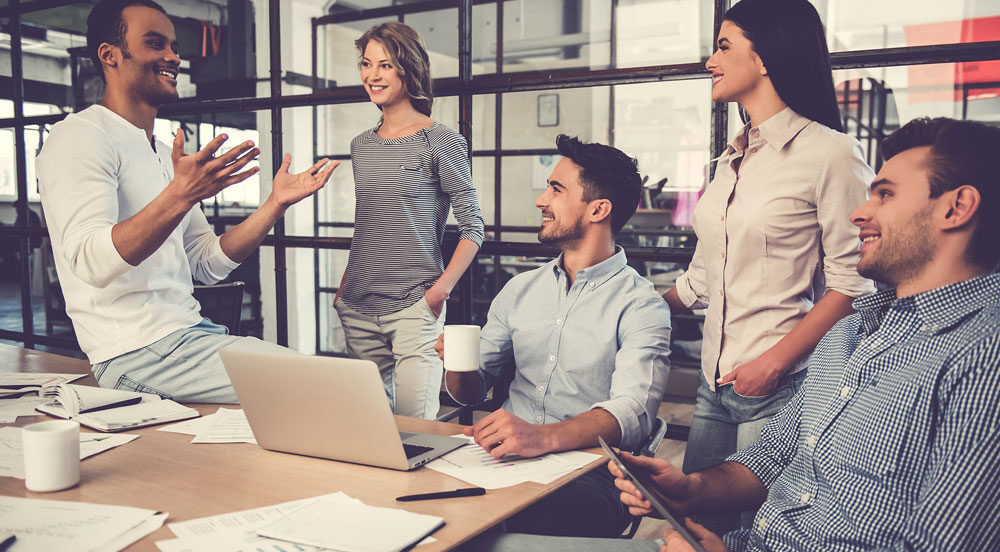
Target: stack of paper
<point>340,522</point>
<point>12,453</point>
<point>18,383</point>
<point>300,520</point>
<point>474,465</point>
<point>11,408</point>
<point>44,525</point>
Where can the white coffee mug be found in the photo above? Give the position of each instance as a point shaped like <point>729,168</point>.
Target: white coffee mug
<point>51,455</point>
<point>461,348</point>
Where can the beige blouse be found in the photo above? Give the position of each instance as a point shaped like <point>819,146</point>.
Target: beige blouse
<point>773,235</point>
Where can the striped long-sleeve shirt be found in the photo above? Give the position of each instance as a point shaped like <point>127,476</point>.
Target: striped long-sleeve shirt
<point>893,443</point>
<point>404,188</point>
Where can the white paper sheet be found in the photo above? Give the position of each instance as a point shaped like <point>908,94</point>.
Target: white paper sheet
<point>12,453</point>
<point>474,465</point>
<point>46,525</point>
<point>10,409</point>
<point>24,378</point>
<point>230,426</point>
<point>233,532</point>
<point>339,522</point>
<point>194,426</point>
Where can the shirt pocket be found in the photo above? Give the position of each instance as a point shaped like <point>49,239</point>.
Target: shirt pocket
<point>877,429</point>
<point>416,178</point>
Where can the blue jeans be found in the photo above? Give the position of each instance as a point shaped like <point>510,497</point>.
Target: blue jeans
<point>184,365</point>
<point>724,422</point>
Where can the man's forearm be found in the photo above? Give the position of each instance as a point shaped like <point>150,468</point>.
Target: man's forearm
<point>240,241</point>
<point>728,487</point>
<point>139,236</point>
<point>465,387</point>
<point>673,299</point>
<point>582,431</point>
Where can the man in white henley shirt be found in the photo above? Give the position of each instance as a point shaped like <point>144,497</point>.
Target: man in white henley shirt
<point>123,214</point>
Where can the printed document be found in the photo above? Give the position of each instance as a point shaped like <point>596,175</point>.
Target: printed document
<point>230,426</point>
<point>340,522</point>
<point>10,409</point>
<point>45,525</point>
<point>472,464</point>
<point>12,453</point>
<point>194,426</point>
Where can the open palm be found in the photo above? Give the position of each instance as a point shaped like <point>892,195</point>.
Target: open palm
<point>289,189</point>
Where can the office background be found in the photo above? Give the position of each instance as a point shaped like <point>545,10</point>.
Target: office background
<point>509,75</point>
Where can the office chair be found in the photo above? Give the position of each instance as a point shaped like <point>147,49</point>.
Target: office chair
<point>222,304</point>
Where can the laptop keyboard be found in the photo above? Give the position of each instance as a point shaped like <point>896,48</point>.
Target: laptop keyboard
<point>415,450</point>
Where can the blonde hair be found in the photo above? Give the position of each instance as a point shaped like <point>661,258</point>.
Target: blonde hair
<point>407,53</point>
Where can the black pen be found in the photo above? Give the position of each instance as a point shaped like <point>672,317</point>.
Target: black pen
<point>474,491</point>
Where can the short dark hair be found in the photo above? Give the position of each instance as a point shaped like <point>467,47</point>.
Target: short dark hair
<point>107,24</point>
<point>789,38</point>
<point>962,153</point>
<point>605,173</point>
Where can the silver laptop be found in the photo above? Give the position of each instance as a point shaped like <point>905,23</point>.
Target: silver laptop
<point>326,407</point>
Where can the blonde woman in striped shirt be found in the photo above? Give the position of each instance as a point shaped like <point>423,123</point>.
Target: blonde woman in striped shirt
<point>409,170</point>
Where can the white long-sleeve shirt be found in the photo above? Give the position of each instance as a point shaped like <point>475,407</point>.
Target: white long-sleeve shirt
<point>95,170</point>
<point>774,234</point>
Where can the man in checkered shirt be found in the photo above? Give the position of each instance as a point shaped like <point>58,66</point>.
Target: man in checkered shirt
<point>893,443</point>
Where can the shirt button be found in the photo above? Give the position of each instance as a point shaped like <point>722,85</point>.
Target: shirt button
<point>723,218</point>
<point>722,293</point>
<point>559,321</point>
<point>552,358</point>
<point>811,441</point>
<point>538,418</point>
<point>762,523</point>
<point>845,392</point>
<point>723,254</point>
<point>541,388</point>
<point>804,497</point>
<point>593,285</point>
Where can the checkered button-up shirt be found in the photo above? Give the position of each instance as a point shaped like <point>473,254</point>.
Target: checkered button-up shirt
<point>893,443</point>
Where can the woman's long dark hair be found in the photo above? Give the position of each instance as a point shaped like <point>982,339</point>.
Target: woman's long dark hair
<point>789,38</point>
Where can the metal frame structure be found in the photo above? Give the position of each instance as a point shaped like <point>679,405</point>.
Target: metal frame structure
<point>465,86</point>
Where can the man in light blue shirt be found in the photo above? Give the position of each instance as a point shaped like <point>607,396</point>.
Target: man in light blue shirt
<point>587,339</point>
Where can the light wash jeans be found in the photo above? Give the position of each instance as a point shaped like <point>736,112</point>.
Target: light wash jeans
<point>724,422</point>
<point>401,344</point>
<point>183,366</point>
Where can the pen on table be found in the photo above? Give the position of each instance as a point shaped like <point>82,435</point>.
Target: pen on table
<point>473,491</point>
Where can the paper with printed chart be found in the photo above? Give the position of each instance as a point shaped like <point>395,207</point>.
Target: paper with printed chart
<point>472,464</point>
<point>230,426</point>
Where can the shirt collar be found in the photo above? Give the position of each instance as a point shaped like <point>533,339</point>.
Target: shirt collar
<point>122,123</point>
<point>596,274</point>
<point>776,131</point>
<point>938,308</point>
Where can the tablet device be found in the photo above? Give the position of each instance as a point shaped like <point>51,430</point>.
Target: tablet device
<point>645,485</point>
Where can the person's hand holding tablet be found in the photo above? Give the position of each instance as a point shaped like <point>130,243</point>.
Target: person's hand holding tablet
<point>641,479</point>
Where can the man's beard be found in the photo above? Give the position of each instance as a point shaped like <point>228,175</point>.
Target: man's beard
<point>558,236</point>
<point>904,255</point>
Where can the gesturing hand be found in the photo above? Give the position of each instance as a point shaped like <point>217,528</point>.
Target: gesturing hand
<point>288,189</point>
<point>201,175</point>
<point>671,484</point>
<point>502,433</point>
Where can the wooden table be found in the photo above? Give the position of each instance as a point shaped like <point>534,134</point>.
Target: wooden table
<point>164,471</point>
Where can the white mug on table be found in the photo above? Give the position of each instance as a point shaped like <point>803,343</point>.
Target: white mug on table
<point>51,455</point>
<point>461,348</point>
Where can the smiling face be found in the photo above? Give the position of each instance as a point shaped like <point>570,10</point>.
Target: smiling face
<point>148,63</point>
<point>896,223</point>
<point>736,69</point>
<point>381,76</point>
<point>563,208</point>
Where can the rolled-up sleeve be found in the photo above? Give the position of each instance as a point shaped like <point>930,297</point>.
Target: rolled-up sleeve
<point>79,191</point>
<point>841,188</point>
<point>209,263</point>
<point>692,286</point>
<point>641,368</point>
<point>455,172</point>
<point>779,440</point>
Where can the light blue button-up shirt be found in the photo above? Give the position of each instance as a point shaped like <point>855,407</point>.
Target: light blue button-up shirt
<point>603,342</point>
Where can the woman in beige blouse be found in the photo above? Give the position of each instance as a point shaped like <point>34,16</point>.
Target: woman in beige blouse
<point>776,254</point>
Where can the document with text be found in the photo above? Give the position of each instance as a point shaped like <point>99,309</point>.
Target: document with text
<point>12,452</point>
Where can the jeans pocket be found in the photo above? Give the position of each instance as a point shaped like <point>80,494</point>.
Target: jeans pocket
<point>128,384</point>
